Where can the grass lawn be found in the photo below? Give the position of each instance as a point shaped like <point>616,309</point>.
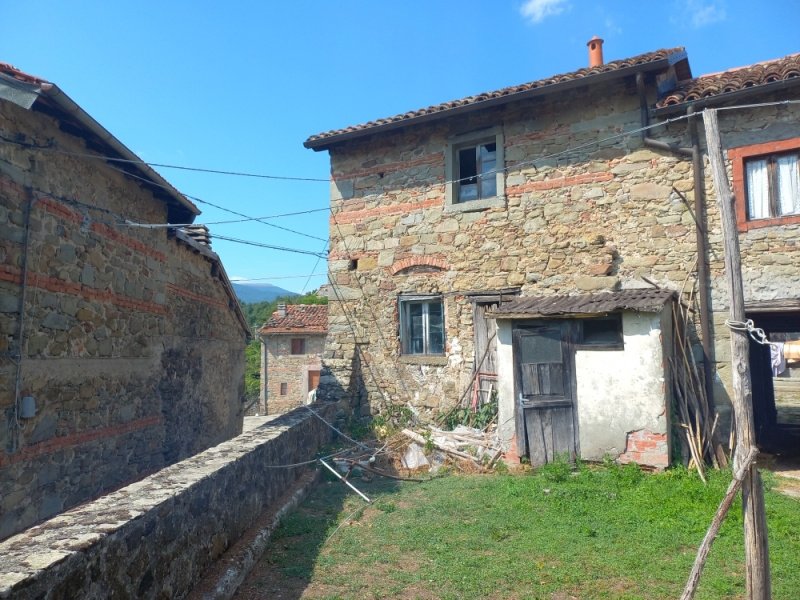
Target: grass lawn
<point>598,533</point>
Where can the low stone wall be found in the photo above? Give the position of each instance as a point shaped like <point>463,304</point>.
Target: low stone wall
<point>154,538</point>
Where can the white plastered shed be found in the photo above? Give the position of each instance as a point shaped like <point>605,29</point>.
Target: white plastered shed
<point>586,376</point>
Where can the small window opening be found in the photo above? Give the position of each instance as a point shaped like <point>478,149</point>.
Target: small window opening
<point>605,332</point>
<point>298,346</point>
<point>352,264</point>
<point>284,389</point>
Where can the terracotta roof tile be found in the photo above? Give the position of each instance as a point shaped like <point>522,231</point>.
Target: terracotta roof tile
<point>300,318</point>
<point>12,71</point>
<point>734,80</point>
<point>587,72</point>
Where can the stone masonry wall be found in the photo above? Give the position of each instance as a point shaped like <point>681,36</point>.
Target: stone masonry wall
<point>155,538</point>
<point>284,367</point>
<point>118,323</point>
<point>599,217</point>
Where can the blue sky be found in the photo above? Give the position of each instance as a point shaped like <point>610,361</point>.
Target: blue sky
<point>239,86</point>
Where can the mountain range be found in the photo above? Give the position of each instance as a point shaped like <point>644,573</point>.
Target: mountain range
<point>259,292</point>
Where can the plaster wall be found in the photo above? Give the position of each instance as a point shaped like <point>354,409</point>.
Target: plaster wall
<point>622,391</point>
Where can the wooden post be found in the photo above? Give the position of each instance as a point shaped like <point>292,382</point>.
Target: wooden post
<point>755,521</point>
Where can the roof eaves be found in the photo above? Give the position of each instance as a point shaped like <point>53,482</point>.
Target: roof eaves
<point>725,98</point>
<point>32,88</point>
<point>323,141</point>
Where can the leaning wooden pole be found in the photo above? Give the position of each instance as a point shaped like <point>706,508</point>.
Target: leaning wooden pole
<point>755,520</point>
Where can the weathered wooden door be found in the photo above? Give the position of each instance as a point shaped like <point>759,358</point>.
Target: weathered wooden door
<point>544,368</point>
<point>313,380</point>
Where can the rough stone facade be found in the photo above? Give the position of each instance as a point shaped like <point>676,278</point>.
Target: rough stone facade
<point>126,339</point>
<point>585,209</point>
<point>292,344</point>
<point>287,380</point>
<point>155,538</point>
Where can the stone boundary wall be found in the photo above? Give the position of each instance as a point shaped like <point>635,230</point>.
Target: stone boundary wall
<point>155,538</point>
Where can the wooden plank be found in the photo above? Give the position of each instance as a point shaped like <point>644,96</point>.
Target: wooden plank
<point>547,433</point>
<point>557,379</point>
<point>562,432</point>
<point>535,433</point>
<point>544,379</point>
<point>758,581</point>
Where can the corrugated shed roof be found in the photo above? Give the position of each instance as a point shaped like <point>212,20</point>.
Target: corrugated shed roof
<point>640,300</point>
<point>718,85</point>
<point>300,318</point>
<point>508,94</point>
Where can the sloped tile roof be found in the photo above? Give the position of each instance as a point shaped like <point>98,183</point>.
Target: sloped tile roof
<point>672,55</point>
<point>640,300</point>
<point>734,80</point>
<point>300,318</point>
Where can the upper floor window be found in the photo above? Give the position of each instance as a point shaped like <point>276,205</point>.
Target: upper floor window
<point>422,325</point>
<point>475,171</point>
<point>766,183</point>
<point>773,185</point>
<point>298,346</point>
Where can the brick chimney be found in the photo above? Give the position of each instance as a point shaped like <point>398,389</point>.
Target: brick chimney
<point>595,51</point>
<point>281,310</point>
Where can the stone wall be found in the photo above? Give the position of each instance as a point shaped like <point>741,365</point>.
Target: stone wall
<point>155,538</point>
<point>601,216</point>
<point>283,367</point>
<point>128,345</point>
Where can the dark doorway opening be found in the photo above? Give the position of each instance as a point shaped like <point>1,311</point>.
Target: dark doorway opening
<point>776,382</point>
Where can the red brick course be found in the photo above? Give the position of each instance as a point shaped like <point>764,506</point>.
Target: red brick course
<point>558,182</point>
<point>354,216</point>
<point>51,284</point>
<point>413,261</point>
<point>76,439</point>
<point>646,448</point>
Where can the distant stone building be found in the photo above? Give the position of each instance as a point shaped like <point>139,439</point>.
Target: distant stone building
<point>292,343</point>
<point>121,347</point>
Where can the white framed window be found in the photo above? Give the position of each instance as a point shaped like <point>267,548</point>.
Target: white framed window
<point>421,325</point>
<point>773,185</point>
<point>474,170</point>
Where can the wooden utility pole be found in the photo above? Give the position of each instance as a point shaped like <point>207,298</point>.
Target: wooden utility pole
<point>755,520</point>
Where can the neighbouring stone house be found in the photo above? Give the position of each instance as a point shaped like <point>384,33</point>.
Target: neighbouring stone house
<point>122,347</point>
<point>514,241</point>
<point>292,343</point>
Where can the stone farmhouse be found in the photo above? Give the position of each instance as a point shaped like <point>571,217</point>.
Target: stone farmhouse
<point>292,343</point>
<point>122,347</point>
<point>535,239</point>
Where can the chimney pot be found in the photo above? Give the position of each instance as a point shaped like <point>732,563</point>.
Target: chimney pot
<point>595,51</point>
<point>281,310</point>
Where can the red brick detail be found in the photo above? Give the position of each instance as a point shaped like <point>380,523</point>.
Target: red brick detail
<point>51,284</point>
<point>178,291</point>
<point>417,261</point>
<point>558,182</point>
<point>134,244</point>
<point>738,156</point>
<point>77,439</point>
<point>646,448</point>
<point>535,136</point>
<point>342,254</point>
<point>354,216</point>
<point>431,159</point>
<point>58,209</point>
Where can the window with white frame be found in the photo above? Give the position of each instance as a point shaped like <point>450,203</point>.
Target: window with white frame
<point>422,325</point>
<point>474,171</point>
<point>773,185</point>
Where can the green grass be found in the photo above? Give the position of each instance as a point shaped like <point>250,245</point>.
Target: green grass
<point>598,533</point>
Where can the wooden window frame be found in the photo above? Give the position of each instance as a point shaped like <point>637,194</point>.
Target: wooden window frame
<point>284,389</point>
<point>474,140</point>
<point>405,334</point>
<point>297,346</point>
<point>738,157</point>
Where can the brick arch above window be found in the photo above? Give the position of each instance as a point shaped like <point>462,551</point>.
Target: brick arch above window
<point>427,263</point>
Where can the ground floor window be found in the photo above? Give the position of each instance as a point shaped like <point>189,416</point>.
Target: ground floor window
<point>422,325</point>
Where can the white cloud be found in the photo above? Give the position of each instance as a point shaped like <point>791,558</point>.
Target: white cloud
<point>537,11</point>
<point>612,27</point>
<point>700,13</point>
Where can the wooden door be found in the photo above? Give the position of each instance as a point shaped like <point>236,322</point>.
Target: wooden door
<point>544,372</point>
<point>313,380</point>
